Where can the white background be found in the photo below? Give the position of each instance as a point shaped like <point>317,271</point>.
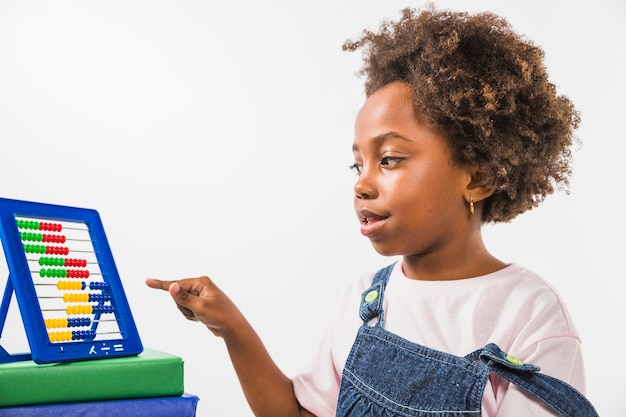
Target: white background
<point>214,138</point>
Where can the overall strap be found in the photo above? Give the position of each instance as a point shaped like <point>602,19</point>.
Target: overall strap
<point>560,396</point>
<point>372,298</point>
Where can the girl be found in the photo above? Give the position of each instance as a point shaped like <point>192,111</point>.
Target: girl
<point>460,127</point>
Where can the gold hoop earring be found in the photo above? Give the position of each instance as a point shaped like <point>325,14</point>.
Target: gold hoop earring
<point>471,204</point>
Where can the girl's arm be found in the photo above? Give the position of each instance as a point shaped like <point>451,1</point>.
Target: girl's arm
<point>268,390</point>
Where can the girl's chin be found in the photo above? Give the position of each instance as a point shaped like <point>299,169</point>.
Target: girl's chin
<point>384,250</point>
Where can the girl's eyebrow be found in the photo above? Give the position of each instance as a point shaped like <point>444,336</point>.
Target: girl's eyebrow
<point>382,138</point>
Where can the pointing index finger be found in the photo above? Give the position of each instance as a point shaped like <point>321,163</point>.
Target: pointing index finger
<point>158,284</point>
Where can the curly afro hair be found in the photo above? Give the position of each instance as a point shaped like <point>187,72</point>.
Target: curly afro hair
<point>487,89</point>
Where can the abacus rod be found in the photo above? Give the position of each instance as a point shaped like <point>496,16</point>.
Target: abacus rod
<point>65,309</point>
<point>90,274</point>
<point>85,229</point>
<point>79,293</point>
<point>90,321</point>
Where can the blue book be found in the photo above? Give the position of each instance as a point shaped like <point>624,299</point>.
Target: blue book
<point>182,406</point>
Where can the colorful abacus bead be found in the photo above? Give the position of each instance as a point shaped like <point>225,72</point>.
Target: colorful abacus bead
<point>46,249</point>
<point>60,336</point>
<point>83,334</point>
<point>81,285</point>
<point>83,298</point>
<point>98,285</point>
<point>54,323</point>
<point>75,298</point>
<point>41,249</point>
<point>78,273</point>
<point>88,309</point>
<point>50,227</point>
<point>35,225</point>
<point>42,237</point>
<point>103,309</point>
<point>53,273</point>
<point>71,335</point>
<point>78,322</point>
<point>63,273</point>
<point>99,297</point>
<point>28,224</point>
<point>77,263</point>
<point>57,250</point>
<point>69,262</point>
<point>53,238</point>
<point>50,261</point>
<point>80,309</point>
<point>71,285</point>
<point>31,237</point>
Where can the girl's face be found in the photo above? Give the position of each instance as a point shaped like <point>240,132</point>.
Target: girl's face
<point>409,196</point>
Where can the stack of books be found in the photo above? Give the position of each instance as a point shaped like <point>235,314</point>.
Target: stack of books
<point>150,384</point>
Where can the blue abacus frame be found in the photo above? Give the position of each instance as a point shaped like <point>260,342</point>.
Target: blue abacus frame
<point>20,282</point>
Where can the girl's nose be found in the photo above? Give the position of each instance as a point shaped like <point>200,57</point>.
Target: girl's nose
<point>364,188</point>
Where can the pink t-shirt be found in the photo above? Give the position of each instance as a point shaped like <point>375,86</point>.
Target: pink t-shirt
<point>513,308</point>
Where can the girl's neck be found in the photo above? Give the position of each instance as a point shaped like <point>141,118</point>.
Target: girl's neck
<point>462,264</point>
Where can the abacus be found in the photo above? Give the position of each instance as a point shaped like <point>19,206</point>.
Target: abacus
<point>67,287</point>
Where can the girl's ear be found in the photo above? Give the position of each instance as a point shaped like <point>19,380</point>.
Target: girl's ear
<point>480,185</point>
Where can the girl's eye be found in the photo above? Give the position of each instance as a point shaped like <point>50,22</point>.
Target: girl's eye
<point>389,161</point>
<point>356,168</point>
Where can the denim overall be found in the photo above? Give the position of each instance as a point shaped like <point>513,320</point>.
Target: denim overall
<point>387,376</point>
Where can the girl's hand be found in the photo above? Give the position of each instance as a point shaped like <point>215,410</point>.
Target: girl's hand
<point>199,299</point>
<point>268,390</point>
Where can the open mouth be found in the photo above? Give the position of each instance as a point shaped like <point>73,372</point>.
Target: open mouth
<point>371,219</point>
<point>367,217</point>
<point>370,222</point>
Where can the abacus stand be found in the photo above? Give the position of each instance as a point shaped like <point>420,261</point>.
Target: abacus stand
<point>5,356</point>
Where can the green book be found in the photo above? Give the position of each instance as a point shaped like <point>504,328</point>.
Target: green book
<point>150,374</point>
